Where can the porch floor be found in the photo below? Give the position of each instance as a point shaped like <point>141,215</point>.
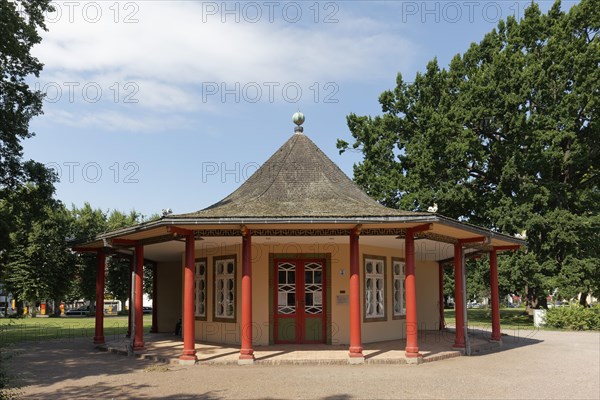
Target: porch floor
<point>166,348</point>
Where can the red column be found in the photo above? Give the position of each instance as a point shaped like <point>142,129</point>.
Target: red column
<point>246,351</point>
<point>412,347</point>
<point>138,339</point>
<point>355,335</point>
<point>189,323</point>
<point>495,295</point>
<point>154,328</point>
<point>459,340</point>
<point>100,273</point>
<point>131,261</point>
<point>441,295</point>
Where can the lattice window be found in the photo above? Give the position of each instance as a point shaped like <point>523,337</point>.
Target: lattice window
<point>286,288</point>
<point>374,288</point>
<point>200,288</point>
<point>399,287</point>
<point>313,288</point>
<point>225,288</point>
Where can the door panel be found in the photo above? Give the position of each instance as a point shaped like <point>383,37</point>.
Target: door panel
<point>286,330</point>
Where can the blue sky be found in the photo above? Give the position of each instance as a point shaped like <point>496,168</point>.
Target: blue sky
<point>173,104</point>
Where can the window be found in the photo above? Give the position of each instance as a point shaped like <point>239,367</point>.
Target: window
<point>225,288</point>
<point>374,288</point>
<point>399,275</point>
<point>200,288</point>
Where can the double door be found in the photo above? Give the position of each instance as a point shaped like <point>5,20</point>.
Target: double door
<point>300,301</point>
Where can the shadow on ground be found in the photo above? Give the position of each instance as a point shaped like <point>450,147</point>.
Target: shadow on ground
<point>67,359</point>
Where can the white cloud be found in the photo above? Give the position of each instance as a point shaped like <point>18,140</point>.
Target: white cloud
<point>169,53</point>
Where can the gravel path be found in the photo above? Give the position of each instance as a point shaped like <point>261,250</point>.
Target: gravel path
<point>546,365</point>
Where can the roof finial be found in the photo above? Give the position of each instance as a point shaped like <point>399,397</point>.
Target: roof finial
<point>298,119</point>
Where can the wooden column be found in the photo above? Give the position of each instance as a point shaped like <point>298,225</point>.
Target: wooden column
<point>441,295</point>
<point>495,296</point>
<point>356,354</point>
<point>100,274</point>
<point>138,335</point>
<point>131,262</point>
<point>412,347</point>
<point>154,328</point>
<point>459,339</point>
<point>246,351</point>
<point>189,324</point>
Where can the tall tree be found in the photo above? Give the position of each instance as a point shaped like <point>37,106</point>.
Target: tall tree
<point>506,137</point>
<point>20,23</point>
<point>26,187</point>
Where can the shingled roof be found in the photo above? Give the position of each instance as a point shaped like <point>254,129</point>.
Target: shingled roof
<point>299,180</point>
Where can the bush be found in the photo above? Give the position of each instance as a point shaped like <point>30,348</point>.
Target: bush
<point>574,317</point>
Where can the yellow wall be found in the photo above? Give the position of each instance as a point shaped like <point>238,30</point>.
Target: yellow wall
<point>169,307</point>
<point>220,332</point>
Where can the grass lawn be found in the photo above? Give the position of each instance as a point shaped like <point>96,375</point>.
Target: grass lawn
<point>40,329</point>
<point>510,318</point>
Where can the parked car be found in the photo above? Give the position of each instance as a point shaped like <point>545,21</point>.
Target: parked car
<point>80,311</point>
<point>474,304</point>
<point>147,310</point>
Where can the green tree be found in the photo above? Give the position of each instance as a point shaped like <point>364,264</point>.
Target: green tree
<point>25,185</point>
<point>118,275</point>
<point>88,223</point>
<point>117,278</point>
<point>19,26</point>
<point>40,266</point>
<point>507,137</point>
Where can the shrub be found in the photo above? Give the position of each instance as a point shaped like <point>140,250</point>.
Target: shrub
<point>574,317</point>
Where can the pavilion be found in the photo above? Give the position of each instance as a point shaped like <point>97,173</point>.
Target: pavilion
<point>299,254</point>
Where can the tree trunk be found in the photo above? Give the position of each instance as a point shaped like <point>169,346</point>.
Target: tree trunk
<point>56,308</point>
<point>123,300</point>
<point>583,299</point>
<point>532,301</point>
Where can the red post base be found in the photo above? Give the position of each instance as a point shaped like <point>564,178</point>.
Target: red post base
<point>188,355</point>
<point>98,339</point>
<point>356,352</point>
<point>246,354</point>
<point>138,346</point>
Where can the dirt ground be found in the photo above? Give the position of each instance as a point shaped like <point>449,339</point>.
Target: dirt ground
<point>531,364</point>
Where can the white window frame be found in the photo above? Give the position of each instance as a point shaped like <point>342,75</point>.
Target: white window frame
<point>399,285</point>
<point>222,277</point>
<point>376,293</point>
<point>200,295</point>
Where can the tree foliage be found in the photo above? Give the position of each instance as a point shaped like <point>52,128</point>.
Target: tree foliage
<point>118,269</point>
<point>18,104</point>
<point>40,265</point>
<point>27,210</point>
<point>88,223</point>
<point>506,137</point>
